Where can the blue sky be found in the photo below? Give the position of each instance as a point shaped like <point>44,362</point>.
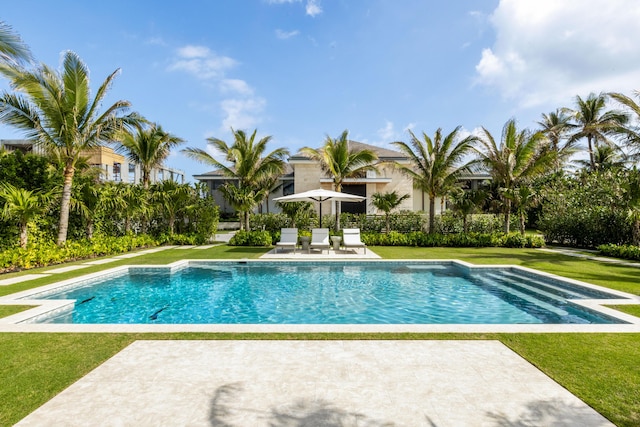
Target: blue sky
<point>300,70</point>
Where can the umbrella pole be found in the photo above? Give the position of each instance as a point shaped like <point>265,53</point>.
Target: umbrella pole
<point>320,215</point>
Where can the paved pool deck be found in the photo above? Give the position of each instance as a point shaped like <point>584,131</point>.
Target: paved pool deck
<point>316,383</point>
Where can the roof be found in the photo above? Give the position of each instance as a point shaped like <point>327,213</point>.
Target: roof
<point>217,174</point>
<point>382,153</point>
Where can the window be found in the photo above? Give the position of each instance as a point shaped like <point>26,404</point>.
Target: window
<point>117,175</point>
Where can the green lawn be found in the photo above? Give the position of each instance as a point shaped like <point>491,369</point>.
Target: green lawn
<point>601,369</point>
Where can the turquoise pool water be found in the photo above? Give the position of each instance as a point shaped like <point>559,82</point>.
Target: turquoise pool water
<point>326,293</point>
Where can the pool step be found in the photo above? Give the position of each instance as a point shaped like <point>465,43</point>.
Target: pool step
<point>556,288</point>
<point>497,283</point>
<point>572,291</point>
<point>532,287</point>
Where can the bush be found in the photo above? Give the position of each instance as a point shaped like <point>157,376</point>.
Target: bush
<point>460,240</point>
<point>48,253</point>
<point>621,251</point>
<point>251,238</point>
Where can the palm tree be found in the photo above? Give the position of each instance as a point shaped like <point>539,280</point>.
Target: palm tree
<point>435,164</point>
<point>523,198</point>
<point>594,122</point>
<point>521,155</point>
<point>57,111</point>
<point>340,162</point>
<point>556,126</point>
<point>12,47</point>
<point>248,165</point>
<point>604,157</point>
<point>386,202</point>
<point>21,205</point>
<point>147,146</point>
<point>171,198</point>
<point>631,134</point>
<point>465,203</point>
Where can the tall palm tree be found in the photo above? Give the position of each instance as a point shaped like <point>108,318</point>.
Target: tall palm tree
<point>248,165</point>
<point>57,111</point>
<point>21,205</point>
<point>340,162</point>
<point>435,164</point>
<point>557,126</point>
<point>148,146</point>
<point>521,155</point>
<point>386,202</point>
<point>12,47</point>
<point>595,123</point>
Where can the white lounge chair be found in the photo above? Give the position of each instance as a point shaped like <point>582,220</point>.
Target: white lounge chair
<point>288,239</point>
<point>351,239</point>
<point>319,239</point>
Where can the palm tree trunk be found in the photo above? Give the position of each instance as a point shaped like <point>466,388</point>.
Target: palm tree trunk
<point>65,204</point>
<point>89,229</point>
<point>172,222</point>
<point>338,209</point>
<point>465,223</point>
<point>522,223</point>
<point>636,233</point>
<point>507,215</point>
<point>24,235</point>
<point>592,160</point>
<point>432,214</point>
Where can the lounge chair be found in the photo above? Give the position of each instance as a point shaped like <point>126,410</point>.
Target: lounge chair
<point>288,239</point>
<point>351,239</point>
<point>319,239</point>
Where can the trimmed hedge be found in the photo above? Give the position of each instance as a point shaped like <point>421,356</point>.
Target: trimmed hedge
<point>621,251</point>
<point>48,253</point>
<point>421,239</point>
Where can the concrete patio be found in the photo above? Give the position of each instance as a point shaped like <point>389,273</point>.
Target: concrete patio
<point>315,383</point>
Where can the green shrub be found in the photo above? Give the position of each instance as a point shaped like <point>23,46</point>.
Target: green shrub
<point>620,251</point>
<point>48,253</point>
<point>251,238</point>
<point>458,240</point>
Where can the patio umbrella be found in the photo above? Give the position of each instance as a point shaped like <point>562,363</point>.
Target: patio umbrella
<point>319,195</point>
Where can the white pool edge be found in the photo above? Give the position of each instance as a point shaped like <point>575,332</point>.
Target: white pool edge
<point>20,322</point>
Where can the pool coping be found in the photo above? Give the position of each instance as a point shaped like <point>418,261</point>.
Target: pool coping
<point>16,322</point>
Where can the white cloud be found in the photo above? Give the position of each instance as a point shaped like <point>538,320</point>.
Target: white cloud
<point>387,133</point>
<point>201,62</point>
<point>313,8</point>
<point>242,113</point>
<point>548,50</point>
<point>235,86</point>
<point>283,35</point>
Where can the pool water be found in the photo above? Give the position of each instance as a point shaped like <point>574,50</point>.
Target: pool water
<point>326,293</point>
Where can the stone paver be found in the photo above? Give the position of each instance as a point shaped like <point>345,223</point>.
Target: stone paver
<point>316,383</point>
<point>316,254</point>
<point>19,279</point>
<point>67,268</point>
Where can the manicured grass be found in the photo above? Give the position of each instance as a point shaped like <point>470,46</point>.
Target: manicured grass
<point>633,310</point>
<point>601,369</point>
<point>8,310</point>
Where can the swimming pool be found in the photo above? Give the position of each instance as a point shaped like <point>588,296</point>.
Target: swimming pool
<point>371,292</point>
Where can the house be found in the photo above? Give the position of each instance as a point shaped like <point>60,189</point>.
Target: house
<point>113,166</point>
<point>303,173</point>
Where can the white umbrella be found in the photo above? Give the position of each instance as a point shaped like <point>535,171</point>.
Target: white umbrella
<point>320,195</point>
